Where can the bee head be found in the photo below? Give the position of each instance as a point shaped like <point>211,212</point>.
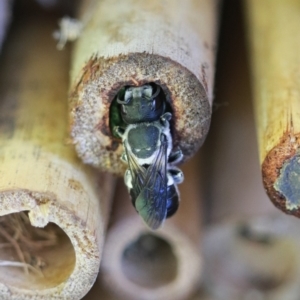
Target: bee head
<point>141,104</point>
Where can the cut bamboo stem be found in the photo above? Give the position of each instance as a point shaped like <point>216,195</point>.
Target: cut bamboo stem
<point>42,183</point>
<point>250,248</point>
<point>274,31</point>
<point>170,43</point>
<point>247,235</point>
<point>100,290</point>
<point>165,264</point>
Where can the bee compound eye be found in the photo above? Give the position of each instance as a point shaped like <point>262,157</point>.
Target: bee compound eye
<point>147,91</point>
<point>157,92</point>
<point>127,97</point>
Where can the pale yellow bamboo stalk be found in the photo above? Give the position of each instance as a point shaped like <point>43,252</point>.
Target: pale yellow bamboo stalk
<point>170,43</point>
<point>39,171</point>
<point>250,248</point>
<point>165,264</point>
<point>274,32</point>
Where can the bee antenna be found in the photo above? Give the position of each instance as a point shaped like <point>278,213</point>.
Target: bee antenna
<point>156,92</point>
<point>119,101</point>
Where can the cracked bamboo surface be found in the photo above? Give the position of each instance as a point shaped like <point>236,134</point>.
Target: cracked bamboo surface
<point>171,43</point>
<point>274,35</point>
<point>154,265</point>
<point>39,172</point>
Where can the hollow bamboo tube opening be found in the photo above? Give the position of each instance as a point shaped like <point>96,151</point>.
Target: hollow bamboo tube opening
<point>173,258</point>
<point>31,256</point>
<point>159,262</point>
<point>165,264</point>
<point>250,249</point>
<point>274,28</point>
<point>250,261</point>
<point>131,43</point>
<point>47,197</point>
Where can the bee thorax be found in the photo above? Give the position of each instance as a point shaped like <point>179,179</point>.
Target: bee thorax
<point>143,140</point>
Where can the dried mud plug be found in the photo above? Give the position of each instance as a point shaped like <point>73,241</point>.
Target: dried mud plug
<point>151,177</point>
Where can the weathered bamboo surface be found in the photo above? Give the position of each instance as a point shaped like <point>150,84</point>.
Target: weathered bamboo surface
<point>165,264</point>
<point>250,248</point>
<point>40,174</point>
<point>170,43</point>
<point>274,32</point>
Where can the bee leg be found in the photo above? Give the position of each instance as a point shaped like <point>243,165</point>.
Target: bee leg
<point>119,131</point>
<point>175,157</point>
<point>176,174</point>
<point>166,117</point>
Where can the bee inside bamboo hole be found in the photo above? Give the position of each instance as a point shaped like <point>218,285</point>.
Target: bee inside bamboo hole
<point>138,113</point>
<point>149,261</point>
<point>29,255</point>
<point>141,117</point>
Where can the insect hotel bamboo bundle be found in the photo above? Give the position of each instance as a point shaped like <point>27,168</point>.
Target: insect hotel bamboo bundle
<point>52,222</point>
<point>250,249</point>
<point>274,31</point>
<point>165,264</point>
<point>130,43</point>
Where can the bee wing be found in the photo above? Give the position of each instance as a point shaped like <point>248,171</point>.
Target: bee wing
<point>151,202</point>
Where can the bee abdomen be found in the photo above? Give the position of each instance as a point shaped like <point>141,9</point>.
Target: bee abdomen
<point>172,200</point>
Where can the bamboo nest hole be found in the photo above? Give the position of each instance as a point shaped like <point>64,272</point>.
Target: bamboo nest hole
<point>149,262</point>
<point>263,243</point>
<point>31,257</point>
<point>247,257</point>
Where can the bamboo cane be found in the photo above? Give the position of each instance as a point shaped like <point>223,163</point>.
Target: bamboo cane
<point>274,28</point>
<point>250,248</point>
<point>165,264</point>
<point>40,175</point>
<point>170,43</point>
<point>99,291</point>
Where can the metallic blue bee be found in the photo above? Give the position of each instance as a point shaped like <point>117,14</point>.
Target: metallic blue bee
<point>151,177</point>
